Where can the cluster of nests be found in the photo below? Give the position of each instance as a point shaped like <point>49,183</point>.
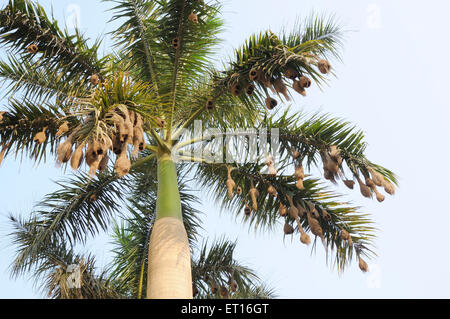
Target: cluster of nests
<point>332,161</point>
<point>124,127</point>
<point>277,86</point>
<point>215,288</point>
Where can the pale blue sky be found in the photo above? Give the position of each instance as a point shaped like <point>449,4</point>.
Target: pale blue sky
<point>393,83</point>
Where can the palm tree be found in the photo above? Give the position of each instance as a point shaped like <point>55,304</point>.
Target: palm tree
<point>149,93</point>
<point>216,274</point>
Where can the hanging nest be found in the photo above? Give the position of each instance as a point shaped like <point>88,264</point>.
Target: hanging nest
<point>299,184</point>
<point>63,128</point>
<point>213,288</point>
<point>249,89</point>
<point>1,116</point>
<point>331,163</point>
<point>138,135</point>
<point>349,183</point>
<point>301,210</point>
<point>299,172</point>
<point>293,211</point>
<point>138,140</point>
<point>121,128</point>
<point>32,48</point>
<point>104,143</point>
<point>316,229</point>
<point>370,183</point>
<point>364,189</point>
<point>236,89</point>
<point>254,193</point>
<point>94,79</point>
<point>117,144</point>
<point>380,197</point>
<point>295,154</point>
<point>314,225</point>
<point>304,238</point>
<point>325,215</point>
<point>230,184</point>
<point>298,88</point>
<point>93,198</point>
<point>388,187</point>
<point>247,210</point>
<point>312,209</point>
<point>265,80</point>
<point>233,285</point>
<point>175,43</point>
<point>64,151</point>
<point>304,82</point>
<point>329,176</point>
<point>224,292</point>
<point>104,162</point>
<point>210,104</point>
<point>160,122</point>
<point>335,154</point>
<point>253,75</point>
<point>344,234</point>
<point>288,229</point>
<point>291,73</point>
<point>193,17</point>
<point>281,88</point>
<point>282,210</point>
<point>95,166</point>
<point>324,66</point>
<point>377,178</point>
<point>272,191</point>
<point>363,265</point>
<point>40,137</point>
<point>123,164</point>
<point>239,190</point>
<point>271,103</point>
<point>91,153</point>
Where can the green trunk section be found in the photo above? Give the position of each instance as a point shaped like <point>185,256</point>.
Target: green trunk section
<point>168,202</point>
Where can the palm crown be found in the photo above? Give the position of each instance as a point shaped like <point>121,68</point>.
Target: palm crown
<point>68,102</point>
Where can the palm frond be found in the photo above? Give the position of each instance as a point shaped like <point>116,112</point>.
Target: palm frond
<point>300,51</point>
<point>82,207</point>
<point>35,82</point>
<point>52,262</point>
<point>24,23</point>
<point>135,38</point>
<point>216,267</point>
<point>23,120</point>
<point>341,214</point>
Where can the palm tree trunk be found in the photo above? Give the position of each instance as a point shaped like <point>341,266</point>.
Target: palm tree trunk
<point>169,259</point>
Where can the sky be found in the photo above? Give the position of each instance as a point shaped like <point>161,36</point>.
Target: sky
<point>392,83</point>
